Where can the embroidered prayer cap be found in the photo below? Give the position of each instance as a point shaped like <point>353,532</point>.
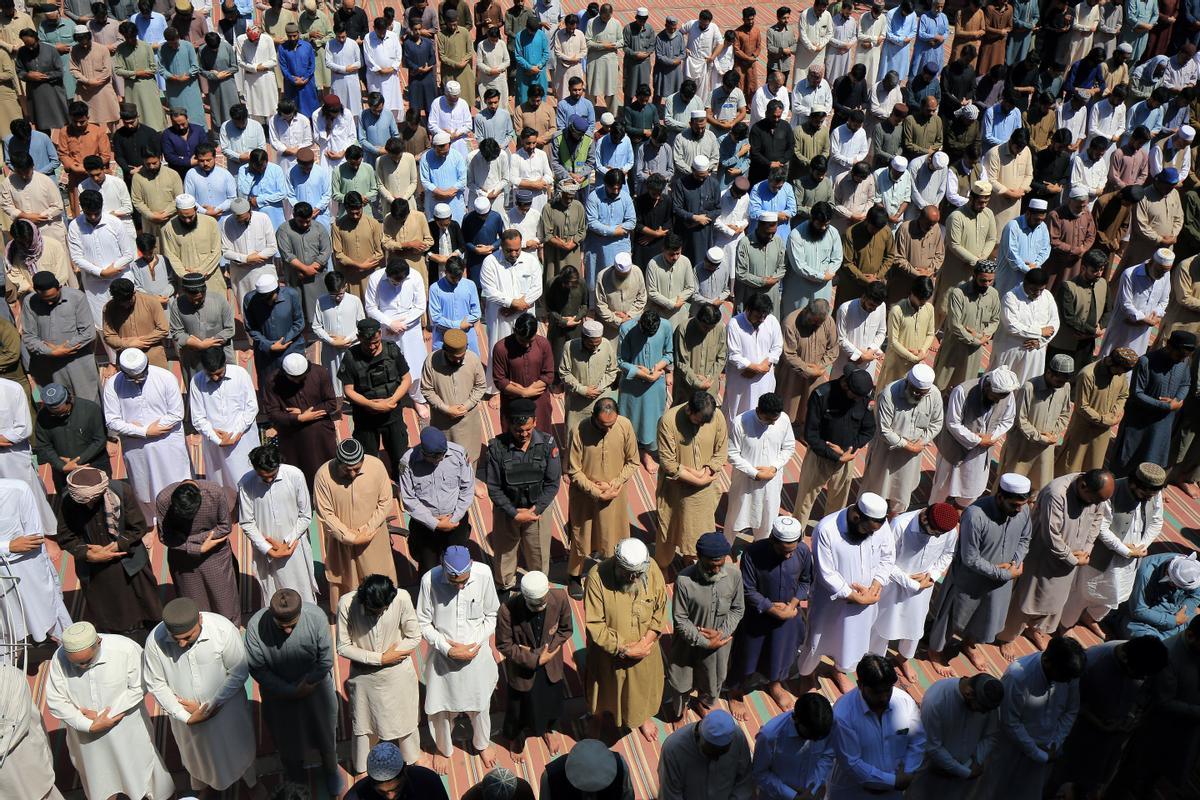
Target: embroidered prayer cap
<point>295,364</point>
<point>633,555</point>
<point>1124,356</point>
<point>591,767</point>
<point>453,88</point>
<point>568,187</point>
<point>1063,364</point>
<point>499,784</point>
<point>441,211</point>
<point>454,340</point>
<point>939,160</point>
<point>79,637</point>
<point>132,361</point>
<point>54,395</point>
<point>1184,572</point>
<point>193,281</point>
<point>1126,48</point>
<point>266,284</point>
<point>535,585</point>
<point>240,205</point>
<point>712,545</point>
<point>286,605</point>
<point>1187,133</point>
<point>718,727</point>
<point>872,506</point>
<point>787,529</point>
<point>482,205</point>
<point>184,202</point>
<point>1164,256</point>
<point>942,516</point>
<point>457,560</point>
<point>921,376</point>
<point>1150,474</point>
<point>715,255</point>
<point>1013,483</point>
<point>981,188</point>
<point>592,328</point>
<point>384,762</point>
<point>180,615</point>
<point>1038,204</point>
<point>433,441</point>
<point>623,262</point>
<point>350,452</point>
<point>1003,380</point>
<point>1080,192</point>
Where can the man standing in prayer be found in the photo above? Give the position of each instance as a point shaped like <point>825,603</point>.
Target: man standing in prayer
<point>620,294</point>
<point>707,608</point>
<point>16,452</point>
<point>1143,293</point>
<point>793,751</point>
<point>453,382</point>
<point>624,680</point>
<point>101,525</point>
<point>22,540</point>
<point>692,450</point>
<point>59,332</point>
<point>30,767</point>
<point>378,633</point>
<point>587,370</point>
<point>961,718</point>
<point>909,416</point>
<point>1042,414</point>
<point>700,350</point>
<point>290,653</point>
<point>924,543</point>
<point>523,367</point>
<point>971,236</point>
<point>709,758</point>
<point>198,322</point>
<point>191,241</point>
<point>761,444</point>
<point>456,610</point>
<point>1160,382</point>
<point>979,414</point>
<point>755,343</point>
<point>1024,245</point>
<point>134,319</point>
<point>1101,391</point>
<point>1028,321</point>
<point>69,433</point>
<point>973,314</point>
<point>195,666</point>
<point>1157,219</point>
<point>809,348</point>
<point>436,491</point>
<point>531,630</point>
<point>1081,301</point>
<point>275,511</point>
<point>224,412</point>
<point>993,539</point>
<point>143,406</point>
<point>375,378</point>
<point>852,565</point>
<point>94,687</point>
<point>510,283</point>
<point>862,330</point>
<point>300,403</point>
<point>1070,510</point>
<point>248,247</point>
<point>194,525</point>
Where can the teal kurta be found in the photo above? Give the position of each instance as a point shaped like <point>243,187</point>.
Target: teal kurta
<point>142,92</point>
<point>181,60</point>
<point>642,402</point>
<point>59,32</point>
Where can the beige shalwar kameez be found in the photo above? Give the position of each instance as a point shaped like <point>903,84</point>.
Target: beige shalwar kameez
<point>1099,405</point>
<point>1041,411</point>
<point>804,352</point>
<point>596,455</point>
<point>972,315</point>
<point>353,517</point>
<point>445,385</point>
<point>685,511</point>
<point>579,371</point>
<point>910,335</point>
<point>1007,172</point>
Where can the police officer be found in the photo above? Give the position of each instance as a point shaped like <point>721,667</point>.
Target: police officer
<point>523,473</point>
<point>375,376</point>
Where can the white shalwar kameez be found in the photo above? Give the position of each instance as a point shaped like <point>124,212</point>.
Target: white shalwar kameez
<point>335,138</point>
<point>28,767</point>
<point>729,228</point>
<point>238,242</point>
<point>230,406</point>
<point>699,44</point>
<point>117,202</point>
<point>467,616</point>
<point>384,55</point>
<point>838,628</point>
<point>340,319</point>
<point>212,671</point>
<point>500,283</point>
<point>748,345</point>
<point>452,120</point>
<point>344,60</point>
<point>968,478</point>
<point>257,61</point>
<point>42,613</point>
<point>754,503</point>
<point>129,409</point>
<point>279,510</point>
<point>1138,297</point>
<point>859,330</point>
<point>903,604</point>
<point>1021,319</point>
<point>122,759</point>
<point>485,177</point>
<point>95,248</point>
<point>16,457</point>
<point>399,310</point>
<point>285,135</point>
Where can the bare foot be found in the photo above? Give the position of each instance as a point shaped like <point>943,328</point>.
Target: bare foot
<point>975,657</point>
<point>494,402</point>
<point>441,764</point>
<point>844,684</point>
<point>488,754</point>
<point>940,666</point>
<point>1190,489</point>
<point>424,761</point>
<point>1094,627</point>
<point>1008,650</point>
<point>1039,639</point>
<point>649,731</point>
<point>422,410</point>
<point>553,742</point>
<point>480,491</point>
<point>782,697</point>
<point>737,707</point>
<point>516,748</point>
<point>907,673</point>
<point>649,463</point>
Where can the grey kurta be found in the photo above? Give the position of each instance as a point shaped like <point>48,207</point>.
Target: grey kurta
<point>222,91</point>
<point>444,386</point>
<point>971,314</point>
<point>666,283</point>
<point>955,735</point>
<point>637,72</point>
<point>755,263</point>
<point>703,602</point>
<point>892,471</point>
<point>69,322</point>
<point>973,600</point>
<point>580,370</point>
<point>699,355</point>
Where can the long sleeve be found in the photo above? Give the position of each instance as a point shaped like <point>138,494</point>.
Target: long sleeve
<point>971,534</point>
<point>866,775</point>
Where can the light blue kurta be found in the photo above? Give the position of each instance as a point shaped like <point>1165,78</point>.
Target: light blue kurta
<point>808,263</point>
<point>926,51</point>
<point>764,198</point>
<point>641,402</point>
<point>374,131</point>
<point>270,189</point>
<point>1138,11</point>
<point>450,305</point>
<point>315,188</point>
<point>182,60</point>
<point>216,189</point>
<point>444,173</point>
<point>1018,246</point>
<point>1026,15</point>
<point>613,155</point>
<point>604,216</point>
<point>895,54</point>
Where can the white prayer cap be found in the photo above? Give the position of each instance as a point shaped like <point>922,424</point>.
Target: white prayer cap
<point>872,505</point>
<point>1184,572</point>
<point>787,529</point>
<point>535,585</point>
<point>700,164</point>
<point>1013,483</point>
<point>633,555</point>
<point>79,637</point>
<point>482,205</point>
<point>295,364</point>
<point>769,216</point>
<point>939,160</point>
<point>453,88</point>
<point>715,255</point>
<point>699,113</point>
<point>981,188</point>
<point>899,163</point>
<point>1187,133</point>
<point>642,12</point>
<point>1003,380</point>
<point>607,118</point>
<point>1164,256</point>
<point>592,328</point>
<point>132,361</point>
<point>623,262</point>
<point>1080,192</point>
<point>266,284</point>
<point>591,767</point>
<point>440,138</point>
<point>441,211</point>
<point>1037,204</point>
<point>921,376</point>
<point>819,109</point>
<point>184,201</point>
<point>1126,48</point>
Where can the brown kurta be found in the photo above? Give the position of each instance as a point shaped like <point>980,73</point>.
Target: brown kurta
<point>414,228</point>
<point>360,242</point>
<point>1183,312</point>
<point>353,517</point>
<point>595,455</point>
<point>630,690</point>
<point>445,385</point>
<point>1112,219</point>
<point>686,512</point>
<point>865,256</point>
<point>1099,405</point>
<point>89,68</point>
<point>699,356</point>
<point>569,225</point>
<point>1071,235</point>
<point>997,24</point>
<point>804,353</point>
<point>307,445</point>
<point>1041,410</point>
<point>968,30</point>
<point>156,195</point>
<point>1008,173</point>
<point>512,362</point>
<point>145,319</point>
<point>926,253</point>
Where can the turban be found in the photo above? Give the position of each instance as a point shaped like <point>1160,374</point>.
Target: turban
<point>1184,572</point>
<point>633,555</point>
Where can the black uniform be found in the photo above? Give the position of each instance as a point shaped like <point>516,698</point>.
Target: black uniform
<point>521,479</point>
<point>375,378</point>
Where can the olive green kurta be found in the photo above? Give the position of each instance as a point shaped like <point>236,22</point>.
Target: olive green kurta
<point>630,690</point>
<point>318,30</point>
<point>699,356</point>
<point>594,455</point>
<point>973,314</point>
<point>445,385</point>
<point>970,236</point>
<point>685,511</point>
<point>1099,405</point>
<point>142,92</point>
<point>154,196</point>
<point>580,370</point>
<point>568,224</point>
<point>910,334</point>
<point>457,48</point>
<point>1041,411</point>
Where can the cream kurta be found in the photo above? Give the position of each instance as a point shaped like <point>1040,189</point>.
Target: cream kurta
<point>229,406</point>
<point>963,463</point>
<point>445,385</point>
<point>753,502</point>
<point>383,699</point>
<point>570,51</point>
<point>1042,414</point>
<point>1183,312</point>
<point>353,519</point>
<point>257,62</point>
<point>212,671</point>
<point>595,455</point>
<point>466,616</point>
<point>122,759</point>
<point>1099,405</point>
<point>910,334</point>
<point>1007,172</point>
<point>1156,216</point>
<point>893,472</point>
<point>29,767</point>
<point>95,66</point>
<point>580,371</point>
<point>627,296</point>
<point>1021,320</point>
<point>686,511</point>
<point>970,236</point>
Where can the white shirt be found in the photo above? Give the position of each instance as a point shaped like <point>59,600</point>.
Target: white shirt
<point>281,509</point>
<point>1074,119</point>
<point>237,142</point>
<point>398,308</point>
<point>285,135</point>
<point>903,604</point>
<point>238,241</point>
<point>847,147</point>
<point>805,97</point>
<point>466,616</point>
<point>117,202</point>
<point>1092,174</point>
<point>343,134</point>
<point>859,330</point>
<point>97,247</point>
<point>501,282</point>
<point>763,97</point>
<point>749,345</point>
<point>1105,120</point>
<point>228,404</point>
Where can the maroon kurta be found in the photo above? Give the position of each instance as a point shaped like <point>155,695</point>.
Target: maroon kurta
<point>1159,43</point>
<point>1071,235</point>
<point>306,445</point>
<point>513,362</point>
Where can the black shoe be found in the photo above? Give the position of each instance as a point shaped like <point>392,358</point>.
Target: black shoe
<point>575,587</point>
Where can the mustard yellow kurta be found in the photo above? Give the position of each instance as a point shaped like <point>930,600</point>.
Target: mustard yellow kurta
<point>397,234</point>
<point>353,519</point>
<point>1099,405</point>
<point>1007,173</point>
<point>594,455</point>
<point>614,618</point>
<point>910,333</point>
<point>685,511</point>
<point>145,319</point>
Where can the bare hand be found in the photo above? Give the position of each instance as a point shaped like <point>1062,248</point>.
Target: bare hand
<point>103,721</point>
<point>213,541</point>
<point>25,544</point>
